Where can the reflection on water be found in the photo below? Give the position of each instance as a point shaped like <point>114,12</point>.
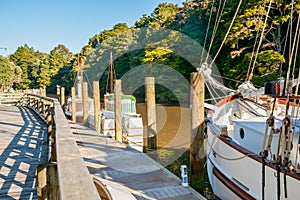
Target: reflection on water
<point>173,141</point>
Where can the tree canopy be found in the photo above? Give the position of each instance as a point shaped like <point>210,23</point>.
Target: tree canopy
<point>9,73</point>
<point>255,50</point>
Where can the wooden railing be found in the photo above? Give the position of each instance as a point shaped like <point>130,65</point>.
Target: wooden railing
<point>10,98</point>
<point>13,98</point>
<point>65,176</point>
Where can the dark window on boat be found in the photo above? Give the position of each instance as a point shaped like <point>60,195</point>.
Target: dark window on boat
<point>242,133</point>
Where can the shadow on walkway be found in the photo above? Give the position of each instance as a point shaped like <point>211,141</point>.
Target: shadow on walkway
<point>23,149</point>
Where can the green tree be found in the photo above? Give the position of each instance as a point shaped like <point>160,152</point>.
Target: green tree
<point>24,58</point>
<point>246,34</point>
<point>9,73</point>
<point>60,62</point>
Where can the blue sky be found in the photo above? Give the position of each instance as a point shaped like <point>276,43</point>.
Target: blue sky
<point>43,24</point>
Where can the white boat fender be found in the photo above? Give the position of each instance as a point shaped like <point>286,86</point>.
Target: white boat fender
<point>184,175</point>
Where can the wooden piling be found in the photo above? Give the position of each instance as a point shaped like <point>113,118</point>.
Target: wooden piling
<point>58,92</point>
<point>73,104</point>
<point>149,141</point>
<point>96,92</point>
<point>62,96</point>
<point>118,111</point>
<point>197,153</point>
<point>85,99</point>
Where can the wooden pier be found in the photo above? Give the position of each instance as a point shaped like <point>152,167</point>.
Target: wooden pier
<point>23,147</point>
<point>44,156</point>
<point>133,171</point>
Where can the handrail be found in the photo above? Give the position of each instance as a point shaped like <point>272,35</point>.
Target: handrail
<point>15,96</point>
<point>66,175</point>
<point>10,98</point>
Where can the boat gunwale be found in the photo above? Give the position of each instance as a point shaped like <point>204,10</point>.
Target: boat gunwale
<point>228,141</point>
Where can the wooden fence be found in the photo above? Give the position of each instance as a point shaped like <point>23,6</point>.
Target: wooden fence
<point>13,98</point>
<point>65,176</point>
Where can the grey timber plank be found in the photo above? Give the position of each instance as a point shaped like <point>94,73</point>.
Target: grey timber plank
<point>143,177</point>
<point>23,147</point>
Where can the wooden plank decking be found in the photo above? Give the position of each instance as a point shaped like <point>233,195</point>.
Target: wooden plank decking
<point>124,171</point>
<point>110,160</point>
<point>23,146</point>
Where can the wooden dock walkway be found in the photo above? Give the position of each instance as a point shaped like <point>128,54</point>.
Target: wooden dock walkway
<point>23,147</point>
<point>122,171</point>
<point>114,164</point>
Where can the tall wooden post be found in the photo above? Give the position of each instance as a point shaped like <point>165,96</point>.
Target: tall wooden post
<point>150,135</point>
<point>96,92</point>
<point>62,96</point>
<point>118,111</point>
<point>58,92</point>
<point>197,123</point>
<point>85,98</point>
<point>73,104</point>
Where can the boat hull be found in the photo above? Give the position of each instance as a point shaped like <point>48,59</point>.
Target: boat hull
<point>236,173</point>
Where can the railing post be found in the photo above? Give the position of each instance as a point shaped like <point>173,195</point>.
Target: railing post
<point>42,187</point>
<point>52,136</point>
<point>43,108</point>
<point>36,104</point>
<point>49,117</point>
<point>53,182</point>
<point>47,182</point>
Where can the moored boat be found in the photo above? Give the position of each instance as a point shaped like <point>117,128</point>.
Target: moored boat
<point>249,159</point>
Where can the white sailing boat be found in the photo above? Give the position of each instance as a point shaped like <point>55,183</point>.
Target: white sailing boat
<point>253,141</point>
<point>132,124</point>
<point>253,149</point>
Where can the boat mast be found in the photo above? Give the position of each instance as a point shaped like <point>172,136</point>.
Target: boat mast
<point>79,76</point>
<point>111,73</point>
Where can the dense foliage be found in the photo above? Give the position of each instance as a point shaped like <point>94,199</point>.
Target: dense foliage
<point>9,74</point>
<point>253,51</point>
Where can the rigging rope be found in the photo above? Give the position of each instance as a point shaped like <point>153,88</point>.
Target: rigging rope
<point>295,44</point>
<point>230,26</point>
<point>296,53</point>
<point>221,156</point>
<point>230,79</point>
<point>293,47</point>
<point>284,49</point>
<point>256,39</point>
<point>261,37</point>
<point>216,25</point>
<point>205,39</point>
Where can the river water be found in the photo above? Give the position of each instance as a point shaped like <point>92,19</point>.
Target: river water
<point>173,141</point>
